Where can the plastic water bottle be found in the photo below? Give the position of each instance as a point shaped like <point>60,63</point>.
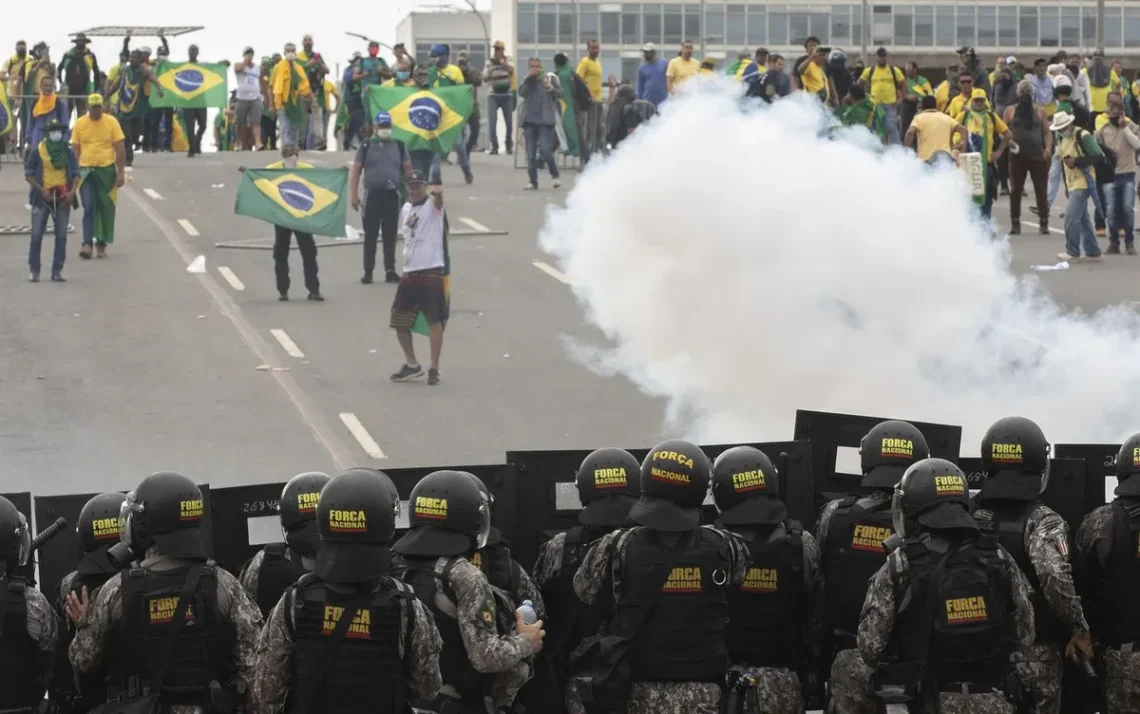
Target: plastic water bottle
<point>529,616</point>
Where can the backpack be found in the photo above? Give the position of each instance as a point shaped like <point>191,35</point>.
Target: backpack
<point>583,100</point>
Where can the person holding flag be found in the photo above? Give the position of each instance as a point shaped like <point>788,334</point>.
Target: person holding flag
<point>981,127</point>
<point>99,145</point>
<point>80,72</point>
<point>445,74</point>
<point>744,68</point>
<point>860,110</point>
<point>133,86</point>
<point>52,171</point>
<point>290,84</point>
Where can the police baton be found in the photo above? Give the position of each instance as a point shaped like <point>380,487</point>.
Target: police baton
<point>1086,666</point>
<point>48,533</point>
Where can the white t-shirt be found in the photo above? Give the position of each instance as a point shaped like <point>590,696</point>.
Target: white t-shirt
<point>422,226</point>
<point>249,83</point>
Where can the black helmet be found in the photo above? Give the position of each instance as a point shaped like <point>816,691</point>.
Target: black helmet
<point>746,488</point>
<point>99,521</point>
<point>356,519</point>
<point>1015,457</point>
<point>674,483</point>
<point>1127,466</point>
<point>449,516</point>
<point>166,510</point>
<point>932,493</point>
<point>388,483</point>
<point>298,511</point>
<point>888,450</point>
<point>15,537</point>
<point>609,483</point>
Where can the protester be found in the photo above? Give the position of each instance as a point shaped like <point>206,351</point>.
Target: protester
<point>499,73</point>
<point>283,238</point>
<point>838,72</point>
<point>327,110</point>
<point>445,74</point>
<point>917,87</point>
<point>777,78</point>
<point>1042,85</point>
<point>423,160</point>
<point>133,85</point>
<point>812,77</point>
<point>540,95</point>
<point>350,116</point>
<point>969,61</point>
<point>982,129</point>
<point>1004,96</point>
<point>1079,152</point>
<point>195,117</point>
<point>100,147</point>
<point>681,68</point>
<point>225,127</point>
<point>268,109</point>
<point>48,106</point>
<point>1062,93</point>
<point>1082,90</point>
<point>160,121</point>
<point>312,138</point>
<point>858,109</point>
<point>384,162</point>
<point>291,91</point>
<point>249,108</point>
<point>965,91</point>
<point>52,171</point>
<point>572,132</point>
<point>79,71</point>
<point>887,85</point>
<point>652,85</point>
<point>1030,134</point>
<point>742,67</point>
<point>932,133</point>
<point>1101,80</point>
<point>369,72</point>
<point>1121,137</point>
<point>424,287</point>
<point>626,113</point>
<point>589,121</point>
<point>16,72</point>
<point>475,79</point>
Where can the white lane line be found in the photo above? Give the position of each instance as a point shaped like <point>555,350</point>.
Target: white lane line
<point>231,278</point>
<point>553,272</point>
<point>475,225</point>
<point>287,343</point>
<point>153,194</point>
<point>188,227</point>
<point>366,441</point>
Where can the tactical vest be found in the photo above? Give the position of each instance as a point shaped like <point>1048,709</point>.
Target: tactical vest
<point>767,612</point>
<point>683,637</point>
<point>961,614</point>
<point>21,679</point>
<point>851,556</point>
<point>368,673</point>
<point>201,650</point>
<point>92,690</point>
<point>1121,582</point>
<point>575,621</point>
<point>497,564</point>
<point>1007,521</point>
<point>277,573</point>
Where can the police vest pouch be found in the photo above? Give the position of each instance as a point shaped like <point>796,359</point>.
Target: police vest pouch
<point>360,601</point>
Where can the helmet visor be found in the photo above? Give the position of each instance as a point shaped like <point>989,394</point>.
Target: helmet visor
<point>130,507</point>
<point>484,526</point>
<point>25,533</point>
<point>897,518</point>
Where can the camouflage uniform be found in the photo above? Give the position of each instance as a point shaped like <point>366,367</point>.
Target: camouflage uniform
<point>878,621</point>
<point>603,563</point>
<point>1121,669</point>
<point>548,565</point>
<point>527,590</point>
<point>251,571</point>
<point>274,668</point>
<point>98,631</point>
<point>43,627</point>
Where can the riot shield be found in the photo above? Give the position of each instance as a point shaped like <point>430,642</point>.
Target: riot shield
<point>1065,492</point>
<point>23,503</point>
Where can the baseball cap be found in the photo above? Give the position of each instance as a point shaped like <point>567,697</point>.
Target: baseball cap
<point>462,55</point>
<point>649,47</point>
<point>978,93</point>
<point>95,100</point>
<point>383,119</point>
<point>498,45</point>
<point>416,177</point>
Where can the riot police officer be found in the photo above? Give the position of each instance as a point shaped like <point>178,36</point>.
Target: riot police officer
<point>29,628</point>
<point>278,565</point>
<point>1110,571</point>
<point>485,660</point>
<point>949,606</point>
<point>500,567</point>
<point>174,595</point>
<point>851,532</point>
<point>679,575</point>
<point>1015,456</point>
<point>348,638</point>
<point>776,614</point>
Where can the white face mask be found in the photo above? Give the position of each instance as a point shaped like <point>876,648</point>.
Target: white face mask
<point>290,162</point>
<point>290,56</point>
<point>55,135</point>
<point>383,134</point>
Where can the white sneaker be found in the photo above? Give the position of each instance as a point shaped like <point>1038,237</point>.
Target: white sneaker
<point>557,183</point>
<point>530,187</point>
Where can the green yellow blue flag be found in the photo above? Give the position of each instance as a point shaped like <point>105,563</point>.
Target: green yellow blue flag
<point>422,118</point>
<point>307,200</point>
<point>6,121</point>
<point>190,85</point>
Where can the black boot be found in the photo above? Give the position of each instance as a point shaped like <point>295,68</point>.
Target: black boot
<point>1015,228</point>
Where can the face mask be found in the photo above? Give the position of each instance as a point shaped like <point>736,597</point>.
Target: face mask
<point>403,76</point>
<point>58,135</point>
<point>21,53</point>
<point>373,51</point>
<point>383,134</point>
<point>290,56</point>
<point>1115,121</point>
<point>290,162</point>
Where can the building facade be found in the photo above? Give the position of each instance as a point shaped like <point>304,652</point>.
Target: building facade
<point>460,30</point>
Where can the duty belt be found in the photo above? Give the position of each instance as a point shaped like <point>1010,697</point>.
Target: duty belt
<point>991,686</point>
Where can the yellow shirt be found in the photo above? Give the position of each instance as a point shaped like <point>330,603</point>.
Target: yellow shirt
<point>1102,120</point>
<point>330,91</point>
<point>1098,96</point>
<point>975,125</point>
<point>409,82</point>
<point>96,140</point>
<point>932,131</point>
<point>680,70</point>
<point>52,176</point>
<point>813,80</point>
<point>957,105</point>
<point>282,83</point>
<point>942,96</point>
<point>281,165</point>
<point>452,73</point>
<point>884,83</point>
<point>590,70</point>
<point>1074,177</point>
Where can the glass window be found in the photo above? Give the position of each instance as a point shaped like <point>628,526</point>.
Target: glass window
<point>478,52</point>
<point>422,52</point>
<point>841,23</point>
<point>714,24</point>
<point>1132,27</point>
<point>737,25</point>
<point>611,64</point>
<point>587,23</point>
<point>818,25</point>
<point>631,24</point>
<point>566,24</point>
<point>798,26</point>
<point>611,27</point>
<point>1070,26</point>
<point>777,24</point>
<point>526,20</point>
<point>944,27</point>
<point>857,24</point>
<point>1007,26</point>
<point>904,25</point>
<point>629,67</point>
<point>547,23</point>
<point>966,26</point>
<point>882,31</point>
<point>1027,24</point>
<point>1088,25</point>
<point>757,26</point>
<point>1050,26</point>
<point>693,24</point>
<point>924,25</point>
<point>673,26</point>
<point>1112,27</point>
<point>651,19</point>
<point>987,26</point>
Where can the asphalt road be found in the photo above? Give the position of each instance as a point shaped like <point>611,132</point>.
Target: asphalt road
<point>136,365</point>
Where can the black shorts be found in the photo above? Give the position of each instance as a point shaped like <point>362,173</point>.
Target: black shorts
<point>423,291</point>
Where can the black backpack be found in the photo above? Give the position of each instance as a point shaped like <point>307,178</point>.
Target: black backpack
<point>583,100</point>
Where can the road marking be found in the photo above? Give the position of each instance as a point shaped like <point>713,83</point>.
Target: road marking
<point>475,225</point>
<point>188,227</point>
<point>366,441</point>
<point>231,278</point>
<point>553,272</point>
<point>152,193</point>
<point>287,343</point>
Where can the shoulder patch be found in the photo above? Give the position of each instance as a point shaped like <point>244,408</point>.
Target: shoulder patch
<point>487,613</point>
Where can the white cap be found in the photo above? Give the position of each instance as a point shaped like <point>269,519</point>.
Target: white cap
<point>649,47</point>
<point>1010,60</point>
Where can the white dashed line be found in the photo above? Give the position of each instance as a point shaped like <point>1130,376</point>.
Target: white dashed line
<point>553,272</point>
<point>287,343</point>
<point>475,225</point>
<point>153,194</point>
<point>362,436</point>
<point>188,227</point>
<point>231,278</point>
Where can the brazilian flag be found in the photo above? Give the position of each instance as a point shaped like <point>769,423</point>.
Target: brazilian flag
<point>6,120</point>
<point>307,200</point>
<point>190,85</point>
<point>421,118</point>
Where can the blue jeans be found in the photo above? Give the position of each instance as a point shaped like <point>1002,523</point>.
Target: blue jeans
<point>497,103</point>
<point>286,130</point>
<point>314,139</point>
<point>892,119</point>
<point>461,156</point>
<point>40,215</point>
<point>539,139</point>
<point>1121,216</point>
<point>1078,225</point>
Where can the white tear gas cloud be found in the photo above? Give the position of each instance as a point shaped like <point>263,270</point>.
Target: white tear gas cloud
<point>744,266</point>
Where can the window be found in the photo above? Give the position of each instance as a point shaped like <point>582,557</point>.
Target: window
<point>1050,27</point>
<point>651,18</point>
<point>944,27</point>
<point>818,25</point>
<point>1112,26</point>
<point>673,26</point>
<point>526,21</point>
<point>1088,25</point>
<point>629,67</point>
<point>1027,22</point>
<point>611,64</point>
<point>757,26</point>
<point>693,31</point>
<point>1070,26</point>
<point>924,26</point>
<point>587,23</point>
<point>857,23</point>
<point>422,52</point>
<point>714,24</point>
<point>798,26</point>
<point>736,31</point>
<point>987,26</point>
<point>478,52</point>
<point>841,23</point>
<point>611,27</point>
<point>566,24</point>
<point>1007,26</point>
<point>547,23</point>
<point>1132,27</point>
<point>777,24</point>
<point>965,26</point>
<point>904,25</point>
<point>631,24</point>
<point>882,32</point>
